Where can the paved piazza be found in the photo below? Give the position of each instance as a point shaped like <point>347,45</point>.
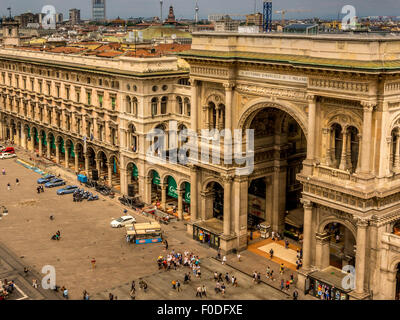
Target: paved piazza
<point>85,233</point>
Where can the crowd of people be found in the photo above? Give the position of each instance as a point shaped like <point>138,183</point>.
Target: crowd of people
<point>6,288</point>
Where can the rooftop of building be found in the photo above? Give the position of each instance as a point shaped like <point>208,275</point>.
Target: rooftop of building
<point>368,52</point>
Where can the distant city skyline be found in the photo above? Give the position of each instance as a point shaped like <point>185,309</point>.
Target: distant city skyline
<point>186,8</point>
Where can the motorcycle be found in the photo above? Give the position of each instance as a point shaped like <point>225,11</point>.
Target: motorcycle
<point>93,198</point>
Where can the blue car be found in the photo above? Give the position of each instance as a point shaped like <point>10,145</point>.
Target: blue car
<point>46,178</point>
<point>55,183</point>
<point>67,190</point>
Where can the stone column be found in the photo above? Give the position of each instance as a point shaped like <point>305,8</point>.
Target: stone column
<point>206,116</point>
<point>327,145</point>
<point>359,155</point>
<point>180,203</point>
<point>147,190</point>
<point>86,156</point>
<point>268,201</point>
<point>322,250</point>
<point>124,181</point>
<point>40,145</point>
<point>23,137</point>
<point>360,255</point>
<point>227,205</point>
<point>396,165</point>
<point>76,161</point>
<point>2,130</point>
<point>366,137</point>
<point>194,105</point>
<point>228,105</point>
<point>164,187</point>
<point>18,142</point>
<point>48,147</point>
<point>66,155</point>
<point>109,173</point>
<point>193,193</point>
<point>98,165</point>
<point>307,233</point>
<point>312,106</point>
<point>343,156</point>
<point>57,152</point>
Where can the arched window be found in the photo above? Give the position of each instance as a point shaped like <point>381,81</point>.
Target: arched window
<point>154,105</point>
<point>164,101</point>
<point>134,105</point>
<point>212,114</point>
<point>180,105</point>
<point>187,107</point>
<point>337,142</point>
<point>128,105</point>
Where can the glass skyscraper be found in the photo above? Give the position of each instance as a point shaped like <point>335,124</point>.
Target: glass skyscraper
<point>99,10</point>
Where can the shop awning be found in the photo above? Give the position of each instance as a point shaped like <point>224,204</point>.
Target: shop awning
<point>172,188</point>
<point>156,178</point>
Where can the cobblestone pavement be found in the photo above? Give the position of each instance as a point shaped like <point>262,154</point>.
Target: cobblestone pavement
<point>86,233</point>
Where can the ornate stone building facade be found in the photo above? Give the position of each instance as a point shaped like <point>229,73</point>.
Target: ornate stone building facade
<point>90,113</point>
<point>325,110</point>
<point>325,113</point>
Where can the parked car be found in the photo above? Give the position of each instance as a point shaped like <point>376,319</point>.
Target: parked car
<point>67,190</point>
<point>7,155</point>
<point>55,183</point>
<point>122,221</point>
<point>46,178</point>
<point>8,150</point>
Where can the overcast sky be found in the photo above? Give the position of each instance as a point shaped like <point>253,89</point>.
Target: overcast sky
<point>185,8</point>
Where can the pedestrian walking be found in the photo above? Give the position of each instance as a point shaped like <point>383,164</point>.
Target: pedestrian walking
<point>166,245</point>
<point>238,257</point>
<point>173,284</point>
<point>17,182</point>
<point>178,285</point>
<point>224,260</point>
<point>295,295</point>
<point>215,275</point>
<point>271,253</point>
<point>110,296</point>
<point>132,294</point>
<point>93,263</point>
<point>219,254</point>
<point>227,277</point>
<point>287,285</point>
<point>204,290</point>
<point>258,277</point>
<point>198,292</point>
<point>268,272</point>
<point>223,288</point>
<point>65,293</point>
<point>8,186</point>
<point>233,280</point>
<point>3,171</point>
<point>282,284</point>
<point>272,275</point>
<point>286,244</point>
<point>133,286</point>
<point>282,269</point>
